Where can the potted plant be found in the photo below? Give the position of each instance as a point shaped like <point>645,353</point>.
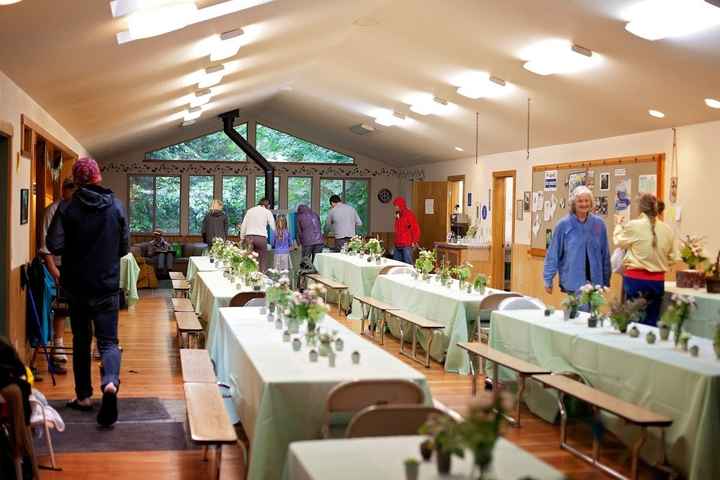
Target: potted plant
<point>425,263</point>
<point>691,252</point>
<point>677,312</point>
<point>480,431</point>
<point>462,273</point>
<point>256,279</point>
<point>712,278</point>
<point>426,449</point>
<point>664,330</point>
<point>374,248</point>
<point>355,245</point>
<point>571,306</point>
<point>480,283</point>
<point>446,438</point>
<point>684,340</point>
<point>216,248</point>
<point>412,469</point>
<point>623,314</point>
<point>308,307</point>
<point>594,297</point>
<point>444,275</point>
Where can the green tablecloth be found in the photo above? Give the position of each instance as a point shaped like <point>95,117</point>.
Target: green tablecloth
<point>659,377</point>
<point>457,310</point>
<point>705,317</point>
<point>279,395</point>
<point>353,271</point>
<point>129,273</point>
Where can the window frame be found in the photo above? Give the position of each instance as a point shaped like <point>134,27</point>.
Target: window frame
<point>222,197</point>
<point>287,189</point>
<point>321,164</point>
<point>245,161</point>
<point>154,201</point>
<point>344,180</point>
<point>189,209</point>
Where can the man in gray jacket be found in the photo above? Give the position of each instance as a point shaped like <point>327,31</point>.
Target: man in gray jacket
<point>342,220</point>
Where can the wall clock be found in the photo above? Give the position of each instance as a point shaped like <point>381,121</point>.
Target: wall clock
<point>384,195</point>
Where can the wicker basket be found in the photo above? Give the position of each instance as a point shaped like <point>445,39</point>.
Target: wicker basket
<point>690,279</point>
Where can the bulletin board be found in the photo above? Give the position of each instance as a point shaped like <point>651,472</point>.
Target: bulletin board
<point>615,183</point>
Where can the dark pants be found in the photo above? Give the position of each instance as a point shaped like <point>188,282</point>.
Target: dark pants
<point>651,290</point>
<point>309,252</point>
<point>340,242</point>
<point>258,243</point>
<point>104,319</point>
<point>404,254</point>
<point>164,261</point>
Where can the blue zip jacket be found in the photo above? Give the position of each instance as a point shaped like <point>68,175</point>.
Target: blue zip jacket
<point>571,242</point>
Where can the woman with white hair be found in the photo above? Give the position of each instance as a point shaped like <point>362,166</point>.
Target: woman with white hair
<point>215,223</point>
<point>579,252</point>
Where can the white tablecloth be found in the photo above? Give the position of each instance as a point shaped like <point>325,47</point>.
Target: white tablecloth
<point>382,458</point>
<point>199,264</point>
<point>279,395</point>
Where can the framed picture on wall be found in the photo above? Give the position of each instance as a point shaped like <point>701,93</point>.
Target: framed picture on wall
<point>526,201</point>
<point>519,209</point>
<point>24,199</point>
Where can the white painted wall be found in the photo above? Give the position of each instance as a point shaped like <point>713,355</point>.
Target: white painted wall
<point>698,159</point>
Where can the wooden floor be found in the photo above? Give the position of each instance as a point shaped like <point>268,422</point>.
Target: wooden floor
<point>151,368</point>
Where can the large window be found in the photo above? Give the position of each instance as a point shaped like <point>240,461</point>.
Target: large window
<point>260,189</point>
<point>299,192</point>
<point>214,147</point>
<point>154,203</point>
<point>201,195</point>
<point>234,196</point>
<point>278,146</point>
<point>353,192</point>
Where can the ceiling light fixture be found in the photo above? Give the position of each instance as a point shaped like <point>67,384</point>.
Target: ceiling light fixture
<point>430,106</point>
<point>9,2</point>
<point>390,119</point>
<point>149,18</point>
<point>201,98</point>
<point>656,113</point>
<point>712,103</point>
<point>212,76</point>
<point>227,45</point>
<point>459,149</point>
<point>193,113</point>
<point>482,85</point>
<point>658,19</point>
<point>558,57</point>
<point>187,123</point>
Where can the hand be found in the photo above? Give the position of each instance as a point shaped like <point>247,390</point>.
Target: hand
<point>549,290</point>
<point>619,219</point>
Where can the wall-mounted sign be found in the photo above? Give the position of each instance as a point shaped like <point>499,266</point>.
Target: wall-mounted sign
<point>484,212</point>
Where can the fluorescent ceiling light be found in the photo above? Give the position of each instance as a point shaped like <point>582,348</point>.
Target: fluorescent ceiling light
<point>9,2</point>
<point>558,56</point>
<point>149,18</point>
<point>459,149</point>
<point>658,19</point>
<point>712,103</point>
<point>193,113</point>
<point>430,106</point>
<point>656,113</point>
<point>187,123</point>
<point>201,98</point>
<point>482,85</point>
<point>227,45</point>
<point>390,119</point>
<point>212,76</point>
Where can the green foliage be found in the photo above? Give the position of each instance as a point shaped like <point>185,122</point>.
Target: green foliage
<point>354,192</point>
<point>691,251</point>
<point>571,302</point>
<point>462,272</point>
<point>445,433</point>
<point>201,195</point>
<point>480,282</point>
<point>212,147</point>
<point>141,207</point>
<point>260,189</point>
<point>299,192</point>
<point>277,146</point>
<point>623,314</point>
<point>234,196</point>
<point>160,195</point>
<point>677,312</point>
<point>425,262</point>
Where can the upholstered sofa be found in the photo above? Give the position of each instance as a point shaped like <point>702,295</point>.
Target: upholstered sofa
<point>186,250</point>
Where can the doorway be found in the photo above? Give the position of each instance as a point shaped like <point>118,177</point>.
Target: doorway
<point>459,221</point>
<point>503,228</point>
<point>430,205</point>
<point>5,191</point>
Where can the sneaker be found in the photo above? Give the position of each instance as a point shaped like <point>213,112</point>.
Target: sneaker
<point>60,358</point>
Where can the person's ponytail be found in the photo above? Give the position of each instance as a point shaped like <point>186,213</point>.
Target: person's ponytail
<point>648,206</point>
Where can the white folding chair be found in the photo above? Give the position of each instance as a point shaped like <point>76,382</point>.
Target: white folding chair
<point>255,302</point>
<point>521,303</point>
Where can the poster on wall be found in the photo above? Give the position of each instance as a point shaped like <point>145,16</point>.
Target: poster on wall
<point>601,205</point>
<point>647,184</point>
<point>526,201</point>
<point>604,181</point>
<point>551,177</point>
<point>429,206</point>
<point>575,180</point>
<point>623,192</point>
<point>590,179</point>
<point>24,199</point>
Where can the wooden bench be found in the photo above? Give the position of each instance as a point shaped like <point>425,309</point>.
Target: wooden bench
<point>197,366</point>
<point>368,304</point>
<point>330,284</point>
<point>208,420</point>
<point>522,368</point>
<point>416,321</point>
<point>598,400</point>
<point>180,288</point>
<point>182,305</point>
<point>176,275</point>
<point>189,330</point>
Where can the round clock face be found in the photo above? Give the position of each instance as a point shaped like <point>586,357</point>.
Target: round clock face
<point>384,195</point>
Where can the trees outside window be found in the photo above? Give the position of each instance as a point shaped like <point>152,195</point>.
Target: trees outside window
<point>299,192</point>
<point>260,189</point>
<point>154,203</point>
<point>234,196</point>
<point>278,146</point>
<point>201,193</point>
<point>214,147</point>
<point>353,192</point>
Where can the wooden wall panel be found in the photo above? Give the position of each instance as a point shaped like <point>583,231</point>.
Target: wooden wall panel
<point>433,227</point>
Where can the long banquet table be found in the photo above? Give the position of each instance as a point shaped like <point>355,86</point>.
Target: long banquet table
<point>658,376</point>
<point>199,264</point>
<point>382,458</point>
<point>278,394</point>
<point>353,271</point>
<point>703,319</point>
<point>458,310</point>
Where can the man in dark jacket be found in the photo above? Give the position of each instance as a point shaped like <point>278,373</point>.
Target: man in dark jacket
<point>407,231</point>
<point>91,234</point>
<point>309,233</point>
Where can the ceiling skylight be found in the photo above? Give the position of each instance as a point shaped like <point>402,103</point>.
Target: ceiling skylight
<point>482,85</point>
<point>558,57</point>
<point>227,45</point>
<point>212,76</point>
<point>427,104</point>
<point>388,118</point>
<point>658,19</point>
<point>201,98</point>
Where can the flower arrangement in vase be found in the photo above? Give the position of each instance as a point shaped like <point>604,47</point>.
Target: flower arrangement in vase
<point>462,273</point>
<point>355,245</point>
<point>622,314</point>
<point>571,306</point>
<point>480,283</point>
<point>256,280</point>
<point>308,307</point>
<point>216,248</point>
<point>444,274</point>
<point>712,276</point>
<point>278,295</point>
<point>374,249</point>
<point>692,253</point>
<point>445,434</point>
<point>677,312</point>
<point>326,340</point>
<point>594,297</point>
<point>425,263</point>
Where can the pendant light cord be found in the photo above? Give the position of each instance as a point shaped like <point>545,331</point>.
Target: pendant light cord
<point>477,135</point>
<point>528,130</point>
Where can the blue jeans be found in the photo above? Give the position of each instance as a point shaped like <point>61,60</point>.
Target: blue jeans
<point>103,318</point>
<point>403,254</point>
<point>651,290</point>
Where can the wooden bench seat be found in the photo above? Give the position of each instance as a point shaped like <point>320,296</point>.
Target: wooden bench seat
<point>523,369</point>
<point>368,304</point>
<point>182,305</point>
<point>197,366</point>
<point>208,420</point>
<point>180,287</point>
<point>189,329</point>
<point>629,412</point>
<point>330,284</point>
<point>176,275</point>
<point>416,321</point>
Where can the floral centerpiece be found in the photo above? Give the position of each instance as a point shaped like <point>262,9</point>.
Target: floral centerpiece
<point>480,431</point>
<point>622,314</point>
<point>445,274</point>
<point>243,262</point>
<point>594,297</point>
<point>692,253</point>
<point>480,283</point>
<point>425,263</point>
<point>256,280</point>
<point>278,295</point>
<point>712,280</point>
<point>374,249</point>
<point>216,248</point>
<point>308,307</point>
<point>355,245</point>
<point>677,312</point>
<point>462,273</point>
<point>571,306</point>
<point>445,434</point>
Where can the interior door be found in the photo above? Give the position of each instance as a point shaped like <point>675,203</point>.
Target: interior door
<point>430,205</point>
<point>499,206</point>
